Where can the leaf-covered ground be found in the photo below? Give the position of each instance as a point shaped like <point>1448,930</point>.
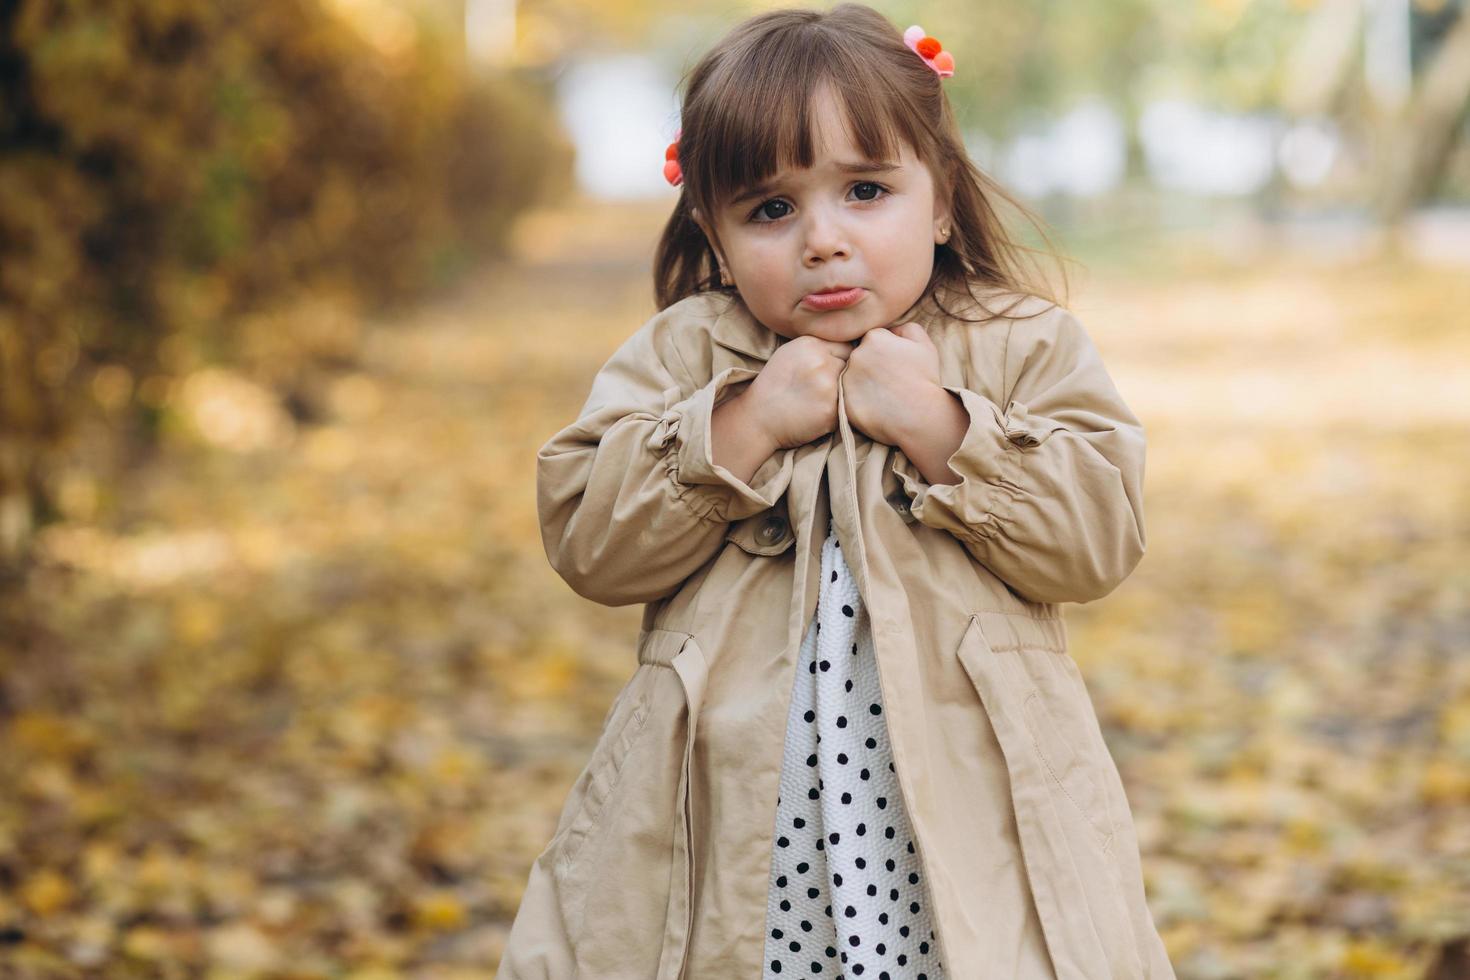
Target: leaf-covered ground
<point>303,700</point>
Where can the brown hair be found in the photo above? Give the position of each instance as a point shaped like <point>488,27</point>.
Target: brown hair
<point>746,114</point>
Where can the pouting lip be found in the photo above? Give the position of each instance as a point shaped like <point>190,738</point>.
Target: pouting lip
<point>832,289</point>
<point>826,301</point>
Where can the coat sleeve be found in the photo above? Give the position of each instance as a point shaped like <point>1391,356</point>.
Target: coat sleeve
<point>629,498</point>
<point>1051,491</point>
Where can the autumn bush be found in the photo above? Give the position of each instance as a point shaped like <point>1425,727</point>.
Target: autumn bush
<point>169,165</point>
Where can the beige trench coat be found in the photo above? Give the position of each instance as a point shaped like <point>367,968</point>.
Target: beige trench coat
<point>660,861</point>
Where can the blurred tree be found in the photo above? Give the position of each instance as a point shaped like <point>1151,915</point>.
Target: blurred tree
<point>1424,133</point>
<point>166,165</point>
<point>1415,93</point>
<point>1322,59</point>
<point>1016,61</point>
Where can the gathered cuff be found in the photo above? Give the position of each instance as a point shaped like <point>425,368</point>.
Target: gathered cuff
<point>989,463</point>
<point>682,435</point>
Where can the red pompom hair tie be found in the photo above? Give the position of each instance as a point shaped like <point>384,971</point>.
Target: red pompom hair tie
<point>672,173</point>
<point>930,50</point>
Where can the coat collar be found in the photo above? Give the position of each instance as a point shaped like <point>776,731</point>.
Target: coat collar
<point>737,330</point>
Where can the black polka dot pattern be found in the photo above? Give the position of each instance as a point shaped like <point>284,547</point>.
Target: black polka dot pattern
<point>847,896</point>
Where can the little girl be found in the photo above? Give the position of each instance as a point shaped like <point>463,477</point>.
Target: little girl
<point>852,497</point>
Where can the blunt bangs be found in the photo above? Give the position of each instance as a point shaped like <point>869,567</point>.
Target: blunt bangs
<point>756,118</point>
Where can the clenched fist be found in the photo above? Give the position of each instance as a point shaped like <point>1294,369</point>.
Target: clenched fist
<point>794,398</point>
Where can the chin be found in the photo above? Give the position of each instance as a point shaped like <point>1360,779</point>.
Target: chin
<point>837,334</point>
<point>838,328</point>
<point>860,331</point>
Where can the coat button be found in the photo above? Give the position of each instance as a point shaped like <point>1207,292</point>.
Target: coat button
<point>772,529</point>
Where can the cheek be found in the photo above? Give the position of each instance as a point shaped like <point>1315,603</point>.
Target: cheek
<point>768,268</point>
<point>903,246</point>
<point>751,256</point>
<point>764,279</point>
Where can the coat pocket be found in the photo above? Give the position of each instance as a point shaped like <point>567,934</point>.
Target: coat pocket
<point>1070,772</point>
<point>1060,808</point>
<point>626,889</point>
<point>600,777</point>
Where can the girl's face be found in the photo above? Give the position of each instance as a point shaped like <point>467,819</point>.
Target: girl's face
<point>846,222</point>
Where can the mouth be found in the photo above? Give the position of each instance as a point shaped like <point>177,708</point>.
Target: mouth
<point>836,298</point>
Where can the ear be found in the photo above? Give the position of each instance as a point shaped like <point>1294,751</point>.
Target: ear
<point>698,219</point>
<point>943,219</point>
<point>943,225</point>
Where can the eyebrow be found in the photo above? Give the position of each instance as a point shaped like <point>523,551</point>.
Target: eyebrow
<point>861,167</point>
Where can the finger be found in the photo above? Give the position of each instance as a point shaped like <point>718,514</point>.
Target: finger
<point>911,331</point>
<point>840,356</point>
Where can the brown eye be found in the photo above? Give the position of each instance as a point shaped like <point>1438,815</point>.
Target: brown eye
<point>762,210</point>
<point>868,183</point>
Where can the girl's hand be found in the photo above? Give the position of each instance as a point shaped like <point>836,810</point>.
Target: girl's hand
<point>892,387</point>
<point>794,398</point>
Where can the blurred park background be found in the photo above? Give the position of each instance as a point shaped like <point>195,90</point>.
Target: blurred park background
<point>292,291</point>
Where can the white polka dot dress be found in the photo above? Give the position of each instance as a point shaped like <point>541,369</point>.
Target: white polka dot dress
<point>846,898</point>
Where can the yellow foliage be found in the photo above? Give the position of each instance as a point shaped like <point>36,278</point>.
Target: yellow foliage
<point>1372,958</point>
<point>241,946</point>
<point>1305,834</point>
<point>439,910</point>
<point>455,765</point>
<point>148,943</point>
<point>1136,712</point>
<point>46,892</point>
<point>1181,939</point>
<point>101,860</point>
<point>373,973</point>
<point>546,677</point>
<point>198,620</point>
<point>1445,782</point>
<point>49,735</point>
<point>168,167</point>
<point>1454,727</point>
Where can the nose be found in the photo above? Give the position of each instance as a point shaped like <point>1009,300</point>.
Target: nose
<point>826,239</point>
